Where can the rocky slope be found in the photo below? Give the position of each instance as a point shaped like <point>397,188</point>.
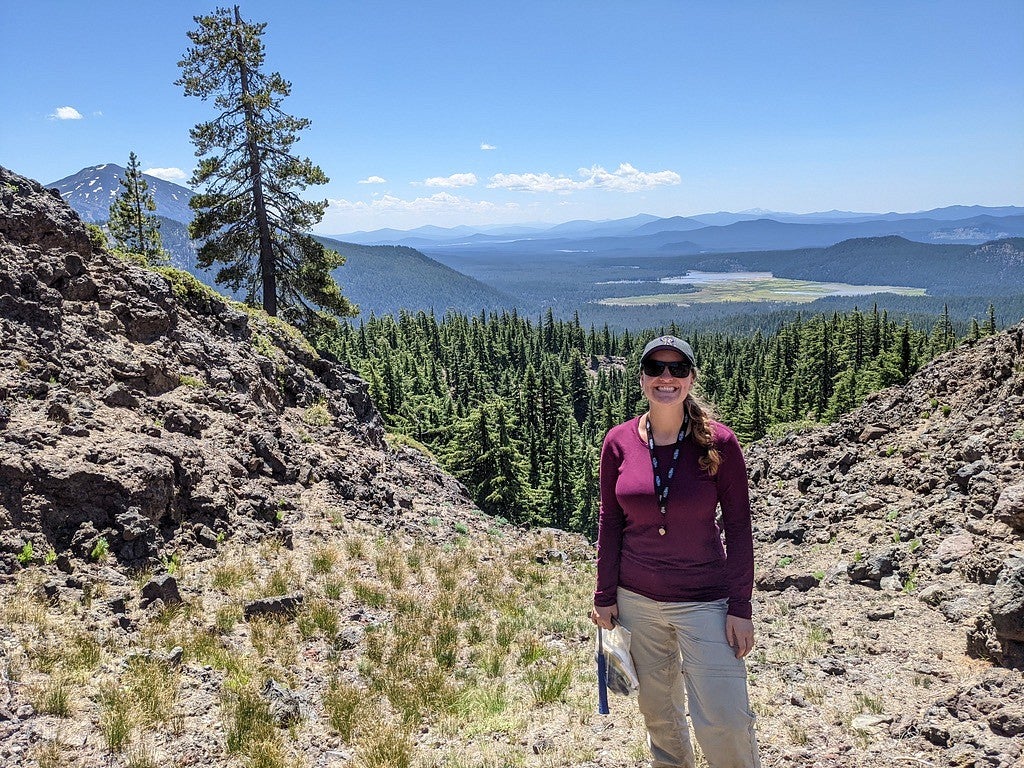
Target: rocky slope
<point>898,533</point>
<point>145,411</point>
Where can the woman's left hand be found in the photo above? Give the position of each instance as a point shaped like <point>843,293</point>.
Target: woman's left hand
<point>739,633</point>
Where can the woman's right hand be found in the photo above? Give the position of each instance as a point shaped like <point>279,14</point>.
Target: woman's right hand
<point>604,616</point>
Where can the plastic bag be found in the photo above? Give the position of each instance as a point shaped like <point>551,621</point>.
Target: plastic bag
<point>614,644</point>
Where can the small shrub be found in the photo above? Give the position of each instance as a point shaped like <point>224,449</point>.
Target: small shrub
<point>264,346</point>
<point>171,564</point>
<point>869,703</point>
<point>25,556</point>
<point>101,550</point>
<point>54,697</point>
<point>386,746</point>
<point>324,559</point>
<point>317,415</point>
<point>444,644</point>
<point>370,594</point>
<point>343,703</point>
<point>115,717</point>
<point>333,588</point>
<point>532,651</point>
<point>230,577</point>
<point>355,548</point>
<point>391,566</point>
<point>140,757</point>
<point>795,427</point>
<point>784,561</point>
<point>550,683</point>
<point>318,616</point>
<point>250,721</point>
<point>396,439</point>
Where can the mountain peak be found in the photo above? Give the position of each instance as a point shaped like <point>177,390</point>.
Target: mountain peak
<point>91,190</point>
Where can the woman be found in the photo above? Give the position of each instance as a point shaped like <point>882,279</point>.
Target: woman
<point>662,570</point>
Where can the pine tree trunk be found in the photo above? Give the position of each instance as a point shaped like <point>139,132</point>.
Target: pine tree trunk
<point>267,261</point>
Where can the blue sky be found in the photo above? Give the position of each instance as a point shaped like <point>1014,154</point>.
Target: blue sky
<point>453,113</point>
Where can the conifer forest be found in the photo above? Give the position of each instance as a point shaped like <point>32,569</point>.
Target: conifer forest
<point>517,408</point>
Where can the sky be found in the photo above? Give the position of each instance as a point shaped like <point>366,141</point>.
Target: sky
<point>467,113</point>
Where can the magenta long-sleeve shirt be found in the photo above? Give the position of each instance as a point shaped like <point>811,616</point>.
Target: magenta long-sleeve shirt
<point>688,563</point>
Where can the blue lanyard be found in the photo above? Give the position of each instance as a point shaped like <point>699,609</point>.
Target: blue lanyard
<point>661,487</point>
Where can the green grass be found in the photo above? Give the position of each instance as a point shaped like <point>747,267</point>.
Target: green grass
<point>343,704</point>
<point>758,289</point>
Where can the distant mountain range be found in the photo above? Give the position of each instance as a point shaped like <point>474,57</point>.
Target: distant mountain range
<point>571,265</point>
<point>957,223</point>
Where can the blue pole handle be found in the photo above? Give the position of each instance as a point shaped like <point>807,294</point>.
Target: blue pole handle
<point>602,676</point>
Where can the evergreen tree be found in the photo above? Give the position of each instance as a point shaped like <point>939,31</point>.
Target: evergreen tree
<point>503,490</point>
<point>990,324</point>
<point>132,223</point>
<point>250,215</point>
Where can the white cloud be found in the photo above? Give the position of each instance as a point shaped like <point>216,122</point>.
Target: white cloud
<point>533,182</point>
<point>65,113</point>
<point>167,174</point>
<point>373,180</point>
<point>625,178</point>
<point>455,180</point>
<point>485,146</point>
<point>441,202</point>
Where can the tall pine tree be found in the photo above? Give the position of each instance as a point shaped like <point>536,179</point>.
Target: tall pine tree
<point>132,225</point>
<point>250,214</point>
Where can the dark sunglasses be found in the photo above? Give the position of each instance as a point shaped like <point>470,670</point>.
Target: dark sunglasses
<point>680,369</point>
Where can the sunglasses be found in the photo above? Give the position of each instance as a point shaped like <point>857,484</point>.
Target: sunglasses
<point>679,369</point>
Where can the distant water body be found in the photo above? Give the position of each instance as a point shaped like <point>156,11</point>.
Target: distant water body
<point>703,278</point>
<point>823,289</point>
<point>748,286</point>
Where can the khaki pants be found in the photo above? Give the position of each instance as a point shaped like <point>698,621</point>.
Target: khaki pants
<point>712,681</point>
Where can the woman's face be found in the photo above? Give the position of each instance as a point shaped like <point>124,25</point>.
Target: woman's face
<point>665,389</point>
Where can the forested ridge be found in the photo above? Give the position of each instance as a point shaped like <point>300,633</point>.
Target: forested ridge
<point>517,408</point>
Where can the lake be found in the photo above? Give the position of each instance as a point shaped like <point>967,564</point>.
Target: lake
<point>749,286</point>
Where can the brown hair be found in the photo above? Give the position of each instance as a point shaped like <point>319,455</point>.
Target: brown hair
<point>700,428</point>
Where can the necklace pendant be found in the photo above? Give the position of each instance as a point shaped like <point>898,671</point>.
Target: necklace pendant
<point>661,531</point>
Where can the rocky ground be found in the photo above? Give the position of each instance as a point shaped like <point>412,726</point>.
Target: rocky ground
<point>212,556</point>
<point>895,535</point>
